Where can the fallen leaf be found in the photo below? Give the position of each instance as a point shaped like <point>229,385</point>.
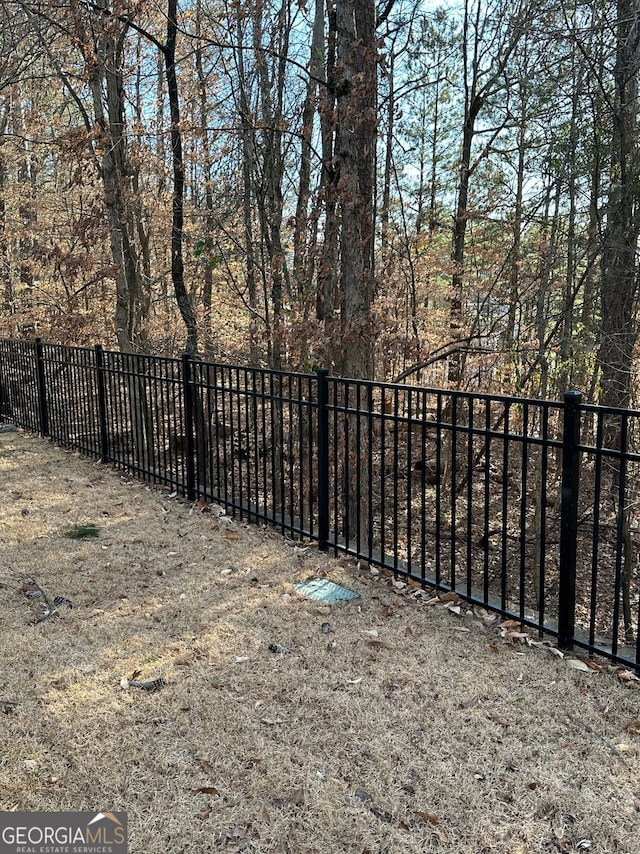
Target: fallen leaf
<point>451,596</point>
<point>427,816</point>
<point>521,636</point>
<point>628,676</point>
<point>578,664</point>
<point>379,643</point>
<point>633,726</point>
<point>322,609</point>
<point>207,790</point>
<point>233,536</point>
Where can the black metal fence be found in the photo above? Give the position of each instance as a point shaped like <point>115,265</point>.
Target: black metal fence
<point>529,508</point>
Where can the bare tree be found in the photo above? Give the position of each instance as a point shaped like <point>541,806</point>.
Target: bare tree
<point>491,33</point>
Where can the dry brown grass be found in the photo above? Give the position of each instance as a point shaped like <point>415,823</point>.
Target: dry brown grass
<point>405,729</point>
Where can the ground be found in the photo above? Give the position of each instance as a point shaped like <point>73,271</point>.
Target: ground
<point>394,722</point>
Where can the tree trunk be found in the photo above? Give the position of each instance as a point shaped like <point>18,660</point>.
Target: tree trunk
<point>388,160</point>
<point>5,254</point>
<point>327,281</point>
<point>482,77</point>
<point>619,273</point>
<point>356,118</point>
<point>207,166</point>
<point>105,82</point>
<point>248,193</point>
<point>456,303</point>
<point>516,249</point>
<point>269,197</point>
<point>619,289</point>
<point>177,223</point>
<point>302,259</point>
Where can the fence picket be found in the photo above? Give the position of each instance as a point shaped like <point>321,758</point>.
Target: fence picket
<point>323,459</point>
<point>43,412</point>
<point>103,431</point>
<point>187,391</point>
<point>569,519</point>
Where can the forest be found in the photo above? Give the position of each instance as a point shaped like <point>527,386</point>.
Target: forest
<point>434,194</point>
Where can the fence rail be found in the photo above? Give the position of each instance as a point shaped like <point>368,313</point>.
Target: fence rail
<point>529,508</point>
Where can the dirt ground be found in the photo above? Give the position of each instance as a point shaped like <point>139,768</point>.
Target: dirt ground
<point>394,722</point>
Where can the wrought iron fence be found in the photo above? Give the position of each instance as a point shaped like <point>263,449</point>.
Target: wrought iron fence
<point>528,508</point>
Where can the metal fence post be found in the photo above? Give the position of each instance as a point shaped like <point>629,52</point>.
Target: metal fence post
<point>323,459</point>
<point>569,519</point>
<point>189,461</point>
<point>43,413</point>
<point>102,405</point>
